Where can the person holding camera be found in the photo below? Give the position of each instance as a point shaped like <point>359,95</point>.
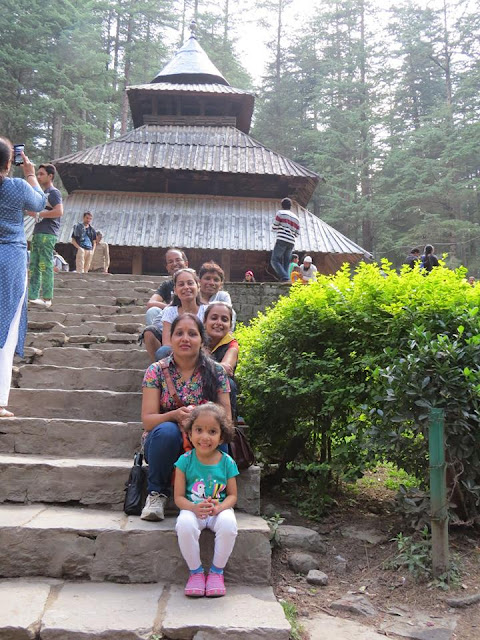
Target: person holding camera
<point>16,196</point>
<point>44,239</point>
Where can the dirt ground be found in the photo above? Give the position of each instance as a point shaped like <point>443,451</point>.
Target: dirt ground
<point>371,507</point>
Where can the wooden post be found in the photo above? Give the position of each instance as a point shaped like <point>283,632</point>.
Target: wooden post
<point>137,261</point>
<point>438,493</point>
<point>226,265</point>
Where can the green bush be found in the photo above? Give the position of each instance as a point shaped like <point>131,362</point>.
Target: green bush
<point>344,370</point>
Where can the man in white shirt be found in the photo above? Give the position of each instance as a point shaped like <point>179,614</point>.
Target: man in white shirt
<point>308,270</point>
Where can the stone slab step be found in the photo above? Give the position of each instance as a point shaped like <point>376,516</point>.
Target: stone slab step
<point>46,339</point>
<point>91,309</point>
<point>71,277</point>
<point>50,376</point>
<point>77,405</point>
<point>89,481</point>
<point>134,357</point>
<point>59,437</point>
<point>109,346</point>
<point>60,610</point>
<point>119,291</point>
<point>98,545</point>
<point>94,310</point>
<point>75,298</point>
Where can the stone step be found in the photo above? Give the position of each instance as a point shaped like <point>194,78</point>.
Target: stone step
<point>74,298</point>
<point>60,610</point>
<point>49,376</point>
<point>76,319</point>
<point>120,357</point>
<point>63,437</point>
<point>142,293</point>
<point>77,405</point>
<point>90,278</point>
<point>98,545</point>
<point>94,310</point>
<point>89,481</point>
<point>108,346</point>
<point>99,329</point>
<point>91,309</point>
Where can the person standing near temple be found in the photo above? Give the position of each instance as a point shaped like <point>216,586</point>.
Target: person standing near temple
<point>308,271</point>
<point>44,239</point>
<point>101,256</point>
<point>287,227</point>
<point>83,239</point>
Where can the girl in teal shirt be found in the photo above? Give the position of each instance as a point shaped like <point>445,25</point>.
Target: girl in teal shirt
<point>205,492</point>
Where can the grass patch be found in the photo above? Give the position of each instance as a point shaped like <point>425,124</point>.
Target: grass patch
<point>291,613</point>
<point>389,476</point>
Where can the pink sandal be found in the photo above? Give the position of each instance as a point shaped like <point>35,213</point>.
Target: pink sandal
<point>215,586</point>
<point>195,586</point>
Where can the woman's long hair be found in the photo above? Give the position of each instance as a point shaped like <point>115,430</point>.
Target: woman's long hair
<point>6,150</point>
<point>207,366</point>
<point>176,302</point>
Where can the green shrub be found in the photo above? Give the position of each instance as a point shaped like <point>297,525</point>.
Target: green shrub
<point>343,371</point>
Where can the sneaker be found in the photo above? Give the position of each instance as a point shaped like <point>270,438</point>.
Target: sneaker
<point>215,586</point>
<point>38,302</point>
<point>48,304</point>
<point>154,508</point>
<point>195,586</point>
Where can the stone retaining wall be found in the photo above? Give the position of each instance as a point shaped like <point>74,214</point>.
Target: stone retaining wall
<point>250,298</point>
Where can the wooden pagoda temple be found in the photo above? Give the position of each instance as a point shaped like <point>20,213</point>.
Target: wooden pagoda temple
<point>189,175</point>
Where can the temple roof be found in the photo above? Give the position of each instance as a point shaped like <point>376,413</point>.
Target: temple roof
<point>190,65</point>
<point>196,222</point>
<point>187,153</point>
<point>243,99</point>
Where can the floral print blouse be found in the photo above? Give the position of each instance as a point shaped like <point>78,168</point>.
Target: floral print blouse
<point>189,392</point>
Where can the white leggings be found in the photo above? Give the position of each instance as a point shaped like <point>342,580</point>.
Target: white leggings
<point>8,351</point>
<point>188,530</point>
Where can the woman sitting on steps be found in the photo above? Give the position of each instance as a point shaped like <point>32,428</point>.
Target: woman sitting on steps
<point>222,345</point>
<point>191,377</point>
<point>186,299</point>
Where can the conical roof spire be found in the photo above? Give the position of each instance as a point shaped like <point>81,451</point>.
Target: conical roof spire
<point>191,65</point>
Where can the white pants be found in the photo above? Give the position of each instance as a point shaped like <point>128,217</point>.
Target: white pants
<point>8,351</point>
<point>188,530</point>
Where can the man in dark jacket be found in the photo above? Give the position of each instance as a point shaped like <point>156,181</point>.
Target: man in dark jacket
<point>412,258</point>
<point>84,239</point>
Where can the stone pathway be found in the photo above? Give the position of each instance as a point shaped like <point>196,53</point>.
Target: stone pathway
<point>72,565</point>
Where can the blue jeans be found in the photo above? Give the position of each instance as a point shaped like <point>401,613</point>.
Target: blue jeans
<point>281,258</point>
<point>163,447</point>
<point>163,352</point>
<point>154,316</point>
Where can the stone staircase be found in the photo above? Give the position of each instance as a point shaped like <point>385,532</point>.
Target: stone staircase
<point>72,564</point>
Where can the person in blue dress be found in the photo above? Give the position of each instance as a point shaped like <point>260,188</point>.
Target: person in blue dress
<point>16,197</point>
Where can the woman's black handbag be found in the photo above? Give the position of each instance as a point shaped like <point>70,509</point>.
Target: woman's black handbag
<point>135,488</point>
<point>240,450</point>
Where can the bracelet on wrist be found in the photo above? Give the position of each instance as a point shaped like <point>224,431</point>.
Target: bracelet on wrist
<point>30,175</point>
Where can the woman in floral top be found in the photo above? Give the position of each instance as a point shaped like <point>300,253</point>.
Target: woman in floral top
<point>197,379</point>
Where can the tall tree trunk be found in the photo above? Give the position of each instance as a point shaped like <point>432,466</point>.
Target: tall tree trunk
<point>116,55</point>
<point>57,127</point>
<point>365,183</point>
<point>128,66</point>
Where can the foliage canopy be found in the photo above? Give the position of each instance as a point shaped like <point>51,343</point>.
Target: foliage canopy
<point>344,371</point>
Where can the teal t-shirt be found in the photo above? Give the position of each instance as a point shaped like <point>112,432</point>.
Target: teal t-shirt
<point>204,480</point>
